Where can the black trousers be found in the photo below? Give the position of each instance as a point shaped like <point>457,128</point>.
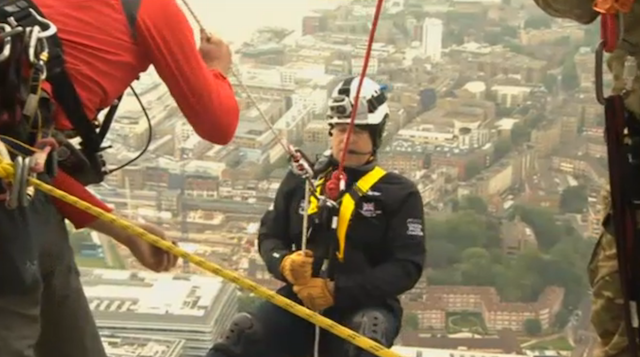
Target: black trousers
<point>283,334</point>
<point>43,309</point>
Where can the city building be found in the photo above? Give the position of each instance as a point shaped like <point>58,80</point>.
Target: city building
<point>409,351</point>
<point>192,308</point>
<point>141,346</point>
<point>431,46</point>
<point>432,308</point>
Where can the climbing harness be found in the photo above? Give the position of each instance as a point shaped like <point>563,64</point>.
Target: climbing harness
<point>24,39</point>
<point>622,134</point>
<point>23,25</point>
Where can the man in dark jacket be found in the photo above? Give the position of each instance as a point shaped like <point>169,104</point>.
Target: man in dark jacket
<point>352,274</point>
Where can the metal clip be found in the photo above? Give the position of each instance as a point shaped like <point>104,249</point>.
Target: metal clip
<point>33,35</point>
<point>6,49</point>
<point>51,28</point>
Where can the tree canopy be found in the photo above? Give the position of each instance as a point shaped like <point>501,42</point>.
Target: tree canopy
<point>410,321</point>
<point>465,249</point>
<point>569,80</point>
<point>574,199</point>
<point>537,22</point>
<point>532,327</point>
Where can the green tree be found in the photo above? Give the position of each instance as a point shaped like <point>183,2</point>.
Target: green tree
<point>476,268</point>
<point>562,318</point>
<point>574,199</point>
<point>550,82</point>
<point>520,134</point>
<point>537,22</point>
<point>247,303</point>
<point>471,169</point>
<point>543,224</point>
<point>442,254</point>
<point>447,276</point>
<point>410,321</point>
<point>569,80</point>
<point>532,327</point>
<point>475,204</point>
<point>501,149</point>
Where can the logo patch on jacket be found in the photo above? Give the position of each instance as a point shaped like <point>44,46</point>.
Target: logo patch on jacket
<point>369,209</point>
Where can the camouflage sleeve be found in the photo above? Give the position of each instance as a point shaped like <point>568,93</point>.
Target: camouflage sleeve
<point>577,10</point>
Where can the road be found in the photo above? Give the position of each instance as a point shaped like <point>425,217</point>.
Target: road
<point>581,333</point>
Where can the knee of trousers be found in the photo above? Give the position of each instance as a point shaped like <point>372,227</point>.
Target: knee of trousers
<point>370,324</point>
<point>243,338</point>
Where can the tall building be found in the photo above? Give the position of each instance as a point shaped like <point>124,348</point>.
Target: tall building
<point>192,308</point>
<point>431,45</point>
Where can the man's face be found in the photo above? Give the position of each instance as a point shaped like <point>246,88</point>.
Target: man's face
<point>360,145</point>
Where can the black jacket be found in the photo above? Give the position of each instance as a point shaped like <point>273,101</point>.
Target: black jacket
<point>385,243</point>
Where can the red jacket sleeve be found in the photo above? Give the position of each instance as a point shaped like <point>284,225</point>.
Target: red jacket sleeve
<point>78,217</point>
<point>205,96</point>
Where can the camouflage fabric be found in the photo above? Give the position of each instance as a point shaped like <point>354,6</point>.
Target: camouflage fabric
<point>582,12</point>
<point>607,300</point>
<point>608,309</point>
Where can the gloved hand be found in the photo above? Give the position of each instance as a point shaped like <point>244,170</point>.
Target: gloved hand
<point>297,267</point>
<point>317,294</point>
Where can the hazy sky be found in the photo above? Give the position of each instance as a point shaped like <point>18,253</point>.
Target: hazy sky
<point>236,20</point>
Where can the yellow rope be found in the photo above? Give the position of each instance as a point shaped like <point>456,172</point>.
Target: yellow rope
<point>7,173</point>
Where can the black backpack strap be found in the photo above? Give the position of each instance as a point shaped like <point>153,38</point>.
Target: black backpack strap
<point>64,92</point>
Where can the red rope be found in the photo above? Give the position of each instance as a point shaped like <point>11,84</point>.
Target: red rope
<point>338,178</point>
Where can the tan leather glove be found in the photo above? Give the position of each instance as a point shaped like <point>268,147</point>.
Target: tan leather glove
<point>297,267</point>
<point>316,295</point>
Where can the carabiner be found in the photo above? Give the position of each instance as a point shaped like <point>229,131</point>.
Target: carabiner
<point>6,49</point>
<point>599,81</point>
<point>51,28</point>
<point>32,34</point>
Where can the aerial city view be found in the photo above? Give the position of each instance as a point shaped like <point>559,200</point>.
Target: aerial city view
<point>480,162</point>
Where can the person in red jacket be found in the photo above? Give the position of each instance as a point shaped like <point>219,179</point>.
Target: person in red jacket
<point>106,45</point>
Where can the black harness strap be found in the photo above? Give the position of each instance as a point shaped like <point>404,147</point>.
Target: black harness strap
<point>66,96</point>
<point>623,149</point>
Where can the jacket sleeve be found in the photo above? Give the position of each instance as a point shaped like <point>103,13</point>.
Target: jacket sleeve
<point>78,217</point>
<point>402,270</point>
<point>205,96</point>
<point>273,237</point>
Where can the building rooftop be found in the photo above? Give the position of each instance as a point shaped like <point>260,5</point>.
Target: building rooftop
<point>117,345</point>
<point>143,298</point>
<point>436,352</point>
<point>251,124</point>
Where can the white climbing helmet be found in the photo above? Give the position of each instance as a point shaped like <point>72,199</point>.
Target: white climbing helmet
<point>372,107</point>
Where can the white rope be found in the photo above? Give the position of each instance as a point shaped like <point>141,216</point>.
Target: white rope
<point>288,149</point>
<point>305,236</point>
